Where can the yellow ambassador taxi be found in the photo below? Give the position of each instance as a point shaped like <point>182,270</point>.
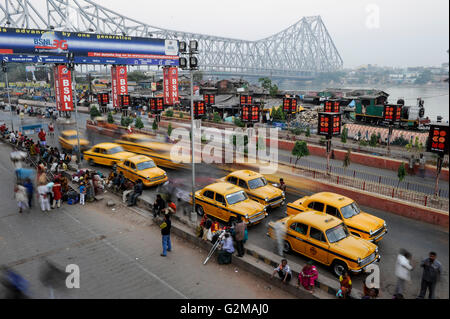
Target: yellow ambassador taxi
<point>358,222</point>
<point>108,154</point>
<point>159,152</point>
<point>225,202</point>
<point>325,239</point>
<point>68,141</point>
<point>143,168</point>
<point>257,188</point>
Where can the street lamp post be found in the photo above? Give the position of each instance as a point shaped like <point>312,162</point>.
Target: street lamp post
<point>193,65</point>
<point>71,67</point>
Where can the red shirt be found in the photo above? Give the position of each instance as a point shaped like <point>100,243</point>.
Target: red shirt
<point>57,191</point>
<point>41,136</point>
<point>51,128</point>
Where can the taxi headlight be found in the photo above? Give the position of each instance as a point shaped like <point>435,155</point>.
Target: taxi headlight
<point>371,233</point>
<point>359,261</point>
<point>385,225</point>
<point>283,194</point>
<point>376,251</point>
<point>267,199</point>
<point>165,174</point>
<point>246,216</point>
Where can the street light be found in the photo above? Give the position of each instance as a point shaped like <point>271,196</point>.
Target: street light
<point>193,65</point>
<point>71,67</point>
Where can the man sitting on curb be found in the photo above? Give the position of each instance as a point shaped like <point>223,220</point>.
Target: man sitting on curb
<point>226,253</point>
<point>136,193</point>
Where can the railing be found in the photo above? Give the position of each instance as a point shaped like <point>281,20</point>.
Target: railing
<point>369,186</point>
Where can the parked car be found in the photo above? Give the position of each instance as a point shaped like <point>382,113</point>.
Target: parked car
<point>143,168</point>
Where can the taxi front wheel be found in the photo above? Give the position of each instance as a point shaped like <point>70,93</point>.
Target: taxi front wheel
<point>200,211</point>
<point>339,268</point>
<point>286,247</point>
<point>91,162</point>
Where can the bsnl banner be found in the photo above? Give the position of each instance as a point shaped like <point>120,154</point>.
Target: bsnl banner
<point>119,83</point>
<point>63,88</point>
<point>42,42</point>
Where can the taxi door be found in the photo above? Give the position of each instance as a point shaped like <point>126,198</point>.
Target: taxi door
<point>221,208</point>
<point>296,234</point>
<point>124,170</point>
<point>208,203</point>
<point>317,247</point>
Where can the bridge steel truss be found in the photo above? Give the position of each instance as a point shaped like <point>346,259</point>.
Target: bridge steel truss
<point>303,49</point>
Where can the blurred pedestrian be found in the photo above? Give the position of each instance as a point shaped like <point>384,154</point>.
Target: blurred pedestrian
<point>402,272</point>
<point>20,194</point>
<point>283,271</point>
<point>57,195</point>
<point>43,197</point>
<point>30,191</point>
<point>432,271</point>
<point>42,137</point>
<point>159,205</point>
<point>283,185</point>
<point>82,193</point>
<point>346,285</point>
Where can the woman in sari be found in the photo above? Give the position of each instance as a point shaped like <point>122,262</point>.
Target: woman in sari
<point>308,276</point>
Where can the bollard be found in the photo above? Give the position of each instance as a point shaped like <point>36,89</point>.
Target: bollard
<point>364,186</point>
<point>393,192</point>
<point>338,180</point>
<point>426,200</point>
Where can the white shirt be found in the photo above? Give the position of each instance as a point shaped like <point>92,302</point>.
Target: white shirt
<point>403,268</point>
<point>42,190</point>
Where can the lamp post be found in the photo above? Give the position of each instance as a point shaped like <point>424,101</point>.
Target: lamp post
<point>71,67</point>
<point>5,70</point>
<point>193,65</point>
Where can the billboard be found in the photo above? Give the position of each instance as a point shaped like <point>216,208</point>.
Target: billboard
<point>438,139</point>
<point>119,84</point>
<point>170,86</point>
<point>332,107</point>
<point>329,124</point>
<point>63,88</point>
<point>45,42</point>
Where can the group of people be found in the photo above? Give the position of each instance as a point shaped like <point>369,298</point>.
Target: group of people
<point>90,184</point>
<point>306,278</point>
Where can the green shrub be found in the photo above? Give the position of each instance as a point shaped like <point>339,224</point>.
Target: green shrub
<point>138,123</point>
<point>154,125</point>
<point>169,113</point>
<point>238,122</point>
<point>110,118</point>
<point>94,112</point>
<point>308,132</point>
<point>169,129</point>
<point>126,121</point>
<point>373,140</point>
<point>217,118</point>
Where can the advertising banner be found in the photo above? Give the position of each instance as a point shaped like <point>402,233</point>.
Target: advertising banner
<point>119,84</point>
<point>63,88</point>
<point>45,42</point>
<point>167,90</point>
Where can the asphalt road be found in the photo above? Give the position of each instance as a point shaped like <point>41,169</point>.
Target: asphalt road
<point>417,237</point>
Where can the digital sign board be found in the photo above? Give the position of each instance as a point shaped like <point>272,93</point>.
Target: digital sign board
<point>329,124</point>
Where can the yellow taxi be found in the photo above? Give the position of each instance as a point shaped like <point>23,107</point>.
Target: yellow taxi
<point>325,239</point>
<point>225,202</point>
<point>256,187</point>
<point>108,154</point>
<point>143,168</point>
<point>68,141</point>
<point>159,152</point>
<point>359,223</point>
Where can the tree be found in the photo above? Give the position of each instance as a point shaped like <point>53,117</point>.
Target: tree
<point>344,135</point>
<point>138,123</point>
<point>169,113</point>
<point>373,140</point>
<point>300,150</point>
<point>137,76</point>
<point>266,83</point>
<point>238,122</point>
<point>110,118</point>
<point>278,114</point>
<point>94,112</point>
<point>169,129</point>
<point>217,118</point>
<point>308,132</point>
<point>154,125</point>
<point>401,173</point>
<point>347,158</point>
<point>273,90</point>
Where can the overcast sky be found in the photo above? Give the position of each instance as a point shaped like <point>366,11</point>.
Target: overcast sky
<point>407,33</point>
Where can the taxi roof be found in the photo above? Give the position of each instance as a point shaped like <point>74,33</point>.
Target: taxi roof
<point>245,174</point>
<point>223,188</point>
<point>106,145</point>
<point>69,132</point>
<point>335,199</point>
<point>315,219</point>
<point>139,159</point>
<point>136,136</point>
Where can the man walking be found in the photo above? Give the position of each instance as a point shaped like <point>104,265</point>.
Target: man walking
<point>240,236</point>
<point>432,270</point>
<point>30,190</point>
<point>402,272</point>
<point>165,232</point>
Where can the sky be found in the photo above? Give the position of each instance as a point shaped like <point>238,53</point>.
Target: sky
<point>397,33</point>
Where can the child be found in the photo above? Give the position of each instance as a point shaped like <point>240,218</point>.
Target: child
<point>82,193</point>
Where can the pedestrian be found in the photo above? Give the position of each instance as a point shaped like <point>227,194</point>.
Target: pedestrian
<point>43,197</point>
<point>42,137</point>
<point>308,276</point>
<point>283,185</point>
<point>432,270</point>
<point>346,285</point>
<point>158,206</point>
<point>30,190</point>
<point>226,251</point>
<point>118,182</point>
<point>137,191</point>
<point>20,194</point>
<point>283,271</point>
<point>171,208</point>
<point>165,232</point>
<point>402,272</point>
<point>57,196</point>
<point>240,229</point>
<point>82,193</point>
<point>51,130</point>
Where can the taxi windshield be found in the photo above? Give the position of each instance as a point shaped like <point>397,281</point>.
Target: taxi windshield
<point>257,183</point>
<point>236,198</point>
<point>142,140</point>
<point>145,165</point>
<point>115,150</point>
<point>350,210</point>
<point>70,137</point>
<point>337,233</point>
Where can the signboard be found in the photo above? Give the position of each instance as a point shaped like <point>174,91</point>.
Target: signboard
<point>246,100</point>
<point>170,86</point>
<point>332,107</point>
<point>154,87</point>
<point>438,139</point>
<point>210,99</point>
<point>156,104</point>
<point>329,124</point>
<point>290,105</point>
<point>392,113</point>
<point>119,84</point>
<point>103,99</point>
<point>124,100</point>
<point>63,88</point>
<point>45,42</point>
<point>199,109</point>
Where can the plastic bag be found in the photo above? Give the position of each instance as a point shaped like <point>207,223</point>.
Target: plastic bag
<point>209,235</point>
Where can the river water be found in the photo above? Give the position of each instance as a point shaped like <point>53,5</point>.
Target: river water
<point>436,97</point>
